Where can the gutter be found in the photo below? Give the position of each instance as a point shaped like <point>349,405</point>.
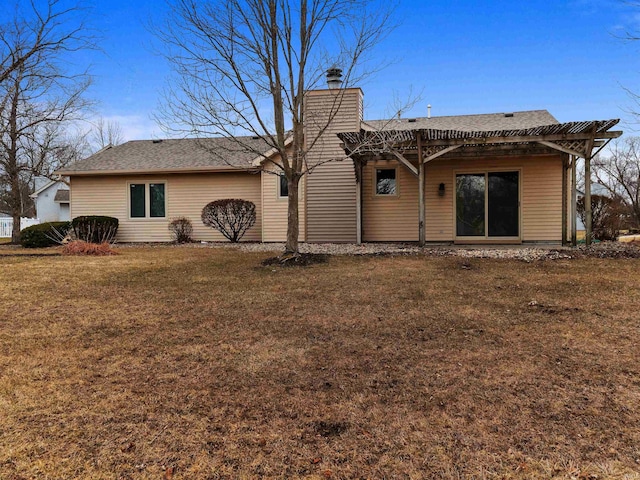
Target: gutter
<point>86,173</point>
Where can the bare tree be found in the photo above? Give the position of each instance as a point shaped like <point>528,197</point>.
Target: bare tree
<point>105,133</point>
<point>40,96</point>
<point>243,66</point>
<point>619,173</point>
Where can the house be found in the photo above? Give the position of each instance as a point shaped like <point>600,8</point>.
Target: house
<point>493,178</point>
<point>52,200</point>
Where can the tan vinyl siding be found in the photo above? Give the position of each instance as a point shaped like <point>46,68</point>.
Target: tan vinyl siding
<point>274,225</point>
<point>331,191</point>
<point>390,217</point>
<point>186,195</point>
<point>395,219</point>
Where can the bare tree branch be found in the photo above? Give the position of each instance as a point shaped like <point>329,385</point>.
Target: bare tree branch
<point>619,173</point>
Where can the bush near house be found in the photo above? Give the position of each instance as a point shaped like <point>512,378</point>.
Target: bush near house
<point>43,235</point>
<point>181,230</point>
<point>230,216</point>
<point>95,229</point>
<point>607,216</point>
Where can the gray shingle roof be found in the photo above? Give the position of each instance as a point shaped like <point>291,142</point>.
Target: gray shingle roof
<point>175,154</point>
<point>223,154</point>
<point>473,123</point>
<point>62,196</point>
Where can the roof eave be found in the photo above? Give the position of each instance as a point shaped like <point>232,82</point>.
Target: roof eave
<point>86,173</point>
<point>260,159</point>
<point>43,188</point>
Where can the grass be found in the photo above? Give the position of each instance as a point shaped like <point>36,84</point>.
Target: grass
<point>199,363</point>
<point>5,240</point>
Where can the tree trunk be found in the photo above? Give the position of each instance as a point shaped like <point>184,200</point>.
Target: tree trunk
<point>293,218</point>
<point>16,211</point>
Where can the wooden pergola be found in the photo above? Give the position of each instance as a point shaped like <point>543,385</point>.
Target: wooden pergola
<point>420,146</point>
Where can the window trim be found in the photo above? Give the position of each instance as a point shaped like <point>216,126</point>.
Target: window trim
<point>147,200</point>
<point>375,183</point>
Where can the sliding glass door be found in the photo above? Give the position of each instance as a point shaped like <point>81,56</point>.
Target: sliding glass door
<point>487,205</point>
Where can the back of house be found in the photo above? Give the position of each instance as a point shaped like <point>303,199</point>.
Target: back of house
<point>490,178</point>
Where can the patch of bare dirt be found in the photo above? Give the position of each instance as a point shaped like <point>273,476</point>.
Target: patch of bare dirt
<point>296,260</point>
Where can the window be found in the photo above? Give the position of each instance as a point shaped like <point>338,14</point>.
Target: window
<point>156,200</point>
<point>386,181</point>
<point>283,187</point>
<point>487,204</point>
<point>147,200</point>
<point>136,197</point>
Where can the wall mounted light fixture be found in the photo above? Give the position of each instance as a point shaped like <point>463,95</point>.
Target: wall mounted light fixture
<point>441,190</point>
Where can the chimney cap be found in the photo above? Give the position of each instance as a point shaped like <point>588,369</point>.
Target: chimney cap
<point>334,77</point>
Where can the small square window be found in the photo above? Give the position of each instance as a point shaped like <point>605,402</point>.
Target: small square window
<point>386,181</point>
<point>283,187</point>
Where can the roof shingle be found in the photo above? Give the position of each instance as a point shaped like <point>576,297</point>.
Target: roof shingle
<point>222,153</point>
<point>62,196</point>
<point>473,123</point>
<point>217,153</point>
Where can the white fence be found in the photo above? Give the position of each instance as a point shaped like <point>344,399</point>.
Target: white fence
<point>6,225</point>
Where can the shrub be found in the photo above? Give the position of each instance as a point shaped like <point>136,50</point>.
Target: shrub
<point>43,235</point>
<point>607,216</point>
<point>231,217</point>
<point>95,229</point>
<point>79,247</point>
<point>181,230</point>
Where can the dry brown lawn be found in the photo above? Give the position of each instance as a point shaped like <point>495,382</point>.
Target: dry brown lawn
<point>193,363</point>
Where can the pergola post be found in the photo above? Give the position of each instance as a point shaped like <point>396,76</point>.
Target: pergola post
<point>359,202</point>
<point>574,201</point>
<point>421,206</point>
<point>587,198</point>
<point>565,200</point>
<point>588,154</point>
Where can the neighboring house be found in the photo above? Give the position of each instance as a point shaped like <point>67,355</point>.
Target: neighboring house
<point>52,200</point>
<point>495,178</point>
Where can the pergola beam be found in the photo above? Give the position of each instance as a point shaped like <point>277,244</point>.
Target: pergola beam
<point>493,143</point>
<point>437,154</point>
<point>405,162</point>
<point>464,151</point>
<point>522,139</point>
<point>555,146</point>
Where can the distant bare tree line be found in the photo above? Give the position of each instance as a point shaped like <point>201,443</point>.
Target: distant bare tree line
<point>43,101</point>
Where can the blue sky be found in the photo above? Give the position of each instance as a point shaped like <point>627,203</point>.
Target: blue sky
<point>463,56</point>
